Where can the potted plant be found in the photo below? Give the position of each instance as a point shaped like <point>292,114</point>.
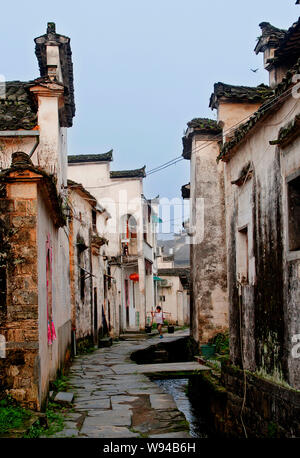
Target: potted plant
<point>208,350</point>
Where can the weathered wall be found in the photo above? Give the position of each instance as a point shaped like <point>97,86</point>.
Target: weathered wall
<point>233,114</point>
<point>267,300</point>
<point>186,307</point>
<point>86,308</point>
<point>208,252</point>
<point>19,371</point>
<point>52,356</point>
<point>268,410</point>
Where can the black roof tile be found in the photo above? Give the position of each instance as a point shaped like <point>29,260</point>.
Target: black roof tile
<point>239,93</point>
<point>18,109</point>
<point>73,159</point>
<point>241,132</point>
<point>137,173</point>
<point>202,126</point>
<point>67,114</point>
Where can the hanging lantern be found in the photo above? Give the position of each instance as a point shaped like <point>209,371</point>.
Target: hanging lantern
<point>134,277</point>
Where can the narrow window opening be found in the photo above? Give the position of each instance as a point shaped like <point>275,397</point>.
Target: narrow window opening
<point>294,214</point>
<point>82,284</point>
<point>94,220</point>
<point>242,255</point>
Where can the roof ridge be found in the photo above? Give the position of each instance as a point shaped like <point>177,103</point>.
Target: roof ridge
<point>238,92</point>
<point>131,173</point>
<point>269,29</point>
<point>102,157</point>
<point>244,128</point>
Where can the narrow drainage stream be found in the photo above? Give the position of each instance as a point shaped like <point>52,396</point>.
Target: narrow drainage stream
<point>199,423</point>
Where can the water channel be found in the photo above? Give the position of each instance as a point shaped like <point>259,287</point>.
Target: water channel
<point>200,426</point>
<point>184,389</point>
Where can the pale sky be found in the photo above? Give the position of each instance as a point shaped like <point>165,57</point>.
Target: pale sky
<point>143,69</point>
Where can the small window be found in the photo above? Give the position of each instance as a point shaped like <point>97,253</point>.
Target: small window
<point>242,255</point>
<point>129,226</point>
<point>94,220</point>
<point>108,277</point>
<point>82,284</point>
<point>294,214</point>
<point>162,298</point>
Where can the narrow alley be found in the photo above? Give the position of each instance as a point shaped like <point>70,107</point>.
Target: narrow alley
<point>149,222</point>
<point>114,399</point>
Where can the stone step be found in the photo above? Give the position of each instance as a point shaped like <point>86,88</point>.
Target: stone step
<point>131,331</point>
<point>130,336</point>
<point>63,397</point>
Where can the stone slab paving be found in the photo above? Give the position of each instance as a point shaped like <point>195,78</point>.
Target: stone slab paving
<point>160,368</point>
<point>115,399</point>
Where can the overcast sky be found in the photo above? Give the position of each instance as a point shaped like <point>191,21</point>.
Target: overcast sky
<point>143,69</point>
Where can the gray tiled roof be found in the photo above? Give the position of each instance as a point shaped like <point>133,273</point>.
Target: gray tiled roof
<point>270,36</point>
<point>243,130</point>
<point>72,159</point>
<point>289,47</point>
<point>136,173</point>
<point>202,126</point>
<point>205,124</point>
<point>186,191</point>
<point>17,107</point>
<point>174,272</point>
<point>239,93</point>
<point>183,273</point>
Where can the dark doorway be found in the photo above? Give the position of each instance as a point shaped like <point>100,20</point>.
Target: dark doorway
<point>95,316</point>
<point>127,302</point>
<point>109,316</point>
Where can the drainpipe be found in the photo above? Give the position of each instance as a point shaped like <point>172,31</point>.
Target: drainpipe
<point>23,133</point>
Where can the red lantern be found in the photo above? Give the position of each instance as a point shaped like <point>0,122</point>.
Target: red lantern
<point>134,277</point>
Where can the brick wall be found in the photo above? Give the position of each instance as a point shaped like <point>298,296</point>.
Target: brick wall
<point>19,371</point>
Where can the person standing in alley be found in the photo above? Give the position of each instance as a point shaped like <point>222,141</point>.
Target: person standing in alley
<point>157,316</point>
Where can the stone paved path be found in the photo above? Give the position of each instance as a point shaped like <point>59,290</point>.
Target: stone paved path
<point>111,403</point>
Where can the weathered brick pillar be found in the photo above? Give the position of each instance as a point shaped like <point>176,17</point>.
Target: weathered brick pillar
<point>19,371</point>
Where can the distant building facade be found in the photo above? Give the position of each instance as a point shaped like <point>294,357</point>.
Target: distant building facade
<point>92,315</point>
<point>174,294</point>
<point>131,233</point>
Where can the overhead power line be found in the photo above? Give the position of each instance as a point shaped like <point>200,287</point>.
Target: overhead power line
<point>208,142</point>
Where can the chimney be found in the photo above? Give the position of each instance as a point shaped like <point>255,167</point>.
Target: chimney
<point>267,44</point>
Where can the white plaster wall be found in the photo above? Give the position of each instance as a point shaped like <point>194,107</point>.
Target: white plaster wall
<point>257,150</point>
<point>82,225</point>
<point>172,304</point>
<point>208,250</point>
<point>50,358</point>
<point>233,114</point>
